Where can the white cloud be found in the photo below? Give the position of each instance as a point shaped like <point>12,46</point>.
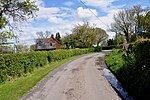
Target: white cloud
<point>68,3</point>
<point>55,20</point>
<point>48,13</point>
<point>104,5</point>
<point>63,19</point>
<point>54,15</point>
<point>99,3</point>
<point>40,3</point>
<point>85,13</point>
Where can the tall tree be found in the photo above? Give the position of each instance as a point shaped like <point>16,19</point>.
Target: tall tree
<point>126,21</point>
<point>15,11</point>
<point>22,48</point>
<point>84,36</point>
<point>119,39</point>
<point>147,22</point>
<point>69,41</point>
<point>58,37</point>
<point>101,36</point>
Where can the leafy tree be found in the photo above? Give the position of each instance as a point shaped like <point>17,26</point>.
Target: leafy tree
<point>45,34</point>
<point>4,36</point>
<point>58,37</point>
<point>110,42</point>
<point>14,11</point>
<point>119,39</point>
<point>101,36</point>
<point>124,23</point>
<point>127,20</point>
<point>69,41</point>
<point>147,22</point>
<point>32,47</point>
<point>84,36</point>
<point>22,48</point>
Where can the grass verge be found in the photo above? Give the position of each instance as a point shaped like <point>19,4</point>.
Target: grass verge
<point>13,90</point>
<point>114,60</point>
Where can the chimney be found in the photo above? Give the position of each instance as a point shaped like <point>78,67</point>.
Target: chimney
<point>52,36</point>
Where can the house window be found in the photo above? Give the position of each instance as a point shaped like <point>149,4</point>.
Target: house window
<point>51,44</point>
<point>39,43</point>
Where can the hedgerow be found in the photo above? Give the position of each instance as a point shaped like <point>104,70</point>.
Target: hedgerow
<point>95,49</point>
<point>133,70</point>
<point>19,64</point>
<point>16,65</point>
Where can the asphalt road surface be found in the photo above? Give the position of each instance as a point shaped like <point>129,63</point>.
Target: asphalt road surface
<point>79,79</point>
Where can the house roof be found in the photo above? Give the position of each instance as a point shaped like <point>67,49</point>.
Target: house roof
<point>47,40</point>
<point>52,37</point>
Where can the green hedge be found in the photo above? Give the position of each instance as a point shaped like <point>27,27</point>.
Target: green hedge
<point>16,65</point>
<point>62,54</point>
<point>136,70</point>
<point>133,70</point>
<point>95,49</point>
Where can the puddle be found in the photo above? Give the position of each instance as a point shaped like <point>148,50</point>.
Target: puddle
<point>116,84</point>
<point>113,80</point>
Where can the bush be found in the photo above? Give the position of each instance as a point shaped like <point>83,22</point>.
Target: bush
<point>134,73</point>
<point>114,60</point>
<point>98,49</point>
<point>16,65</point>
<point>95,49</point>
<point>92,49</point>
<point>137,70</point>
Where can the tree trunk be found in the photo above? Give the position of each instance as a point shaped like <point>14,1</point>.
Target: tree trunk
<point>127,36</point>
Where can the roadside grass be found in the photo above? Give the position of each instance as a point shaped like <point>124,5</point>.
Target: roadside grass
<point>114,60</point>
<point>13,90</point>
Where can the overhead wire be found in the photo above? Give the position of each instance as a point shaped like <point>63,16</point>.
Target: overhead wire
<point>93,13</point>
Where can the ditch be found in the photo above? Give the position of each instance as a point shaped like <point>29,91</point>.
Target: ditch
<point>113,80</point>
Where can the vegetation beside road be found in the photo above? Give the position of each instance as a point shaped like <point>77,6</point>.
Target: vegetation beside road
<point>18,86</point>
<point>114,60</point>
<point>20,64</point>
<point>133,70</point>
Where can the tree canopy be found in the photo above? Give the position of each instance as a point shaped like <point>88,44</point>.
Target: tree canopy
<point>15,11</point>
<point>84,36</point>
<point>58,37</point>
<point>130,22</point>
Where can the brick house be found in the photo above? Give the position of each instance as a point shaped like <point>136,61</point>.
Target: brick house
<point>47,44</point>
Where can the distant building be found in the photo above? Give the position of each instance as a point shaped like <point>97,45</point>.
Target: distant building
<point>47,43</point>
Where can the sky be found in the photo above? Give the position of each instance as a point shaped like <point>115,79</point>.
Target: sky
<point>62,16</point>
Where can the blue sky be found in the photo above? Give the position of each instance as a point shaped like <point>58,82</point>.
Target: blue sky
<point>62,15</point>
